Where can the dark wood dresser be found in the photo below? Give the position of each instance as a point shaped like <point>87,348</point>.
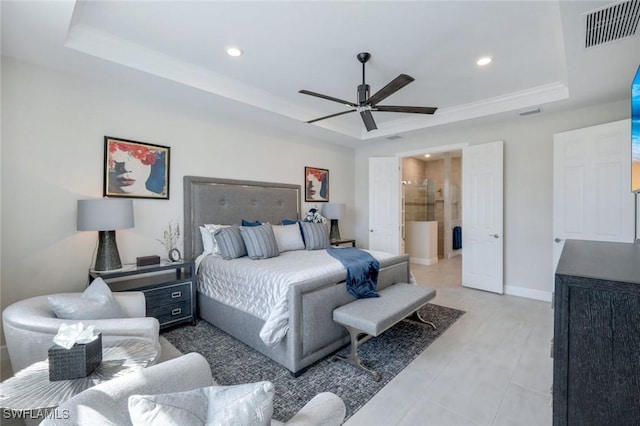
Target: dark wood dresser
<point>596,350</point>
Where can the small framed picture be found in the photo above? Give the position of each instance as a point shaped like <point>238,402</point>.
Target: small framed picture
<point>316,184</point>
<point>135,169</point>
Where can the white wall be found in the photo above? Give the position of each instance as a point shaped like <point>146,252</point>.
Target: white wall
<point>53,126</point>
<point>527,184</point>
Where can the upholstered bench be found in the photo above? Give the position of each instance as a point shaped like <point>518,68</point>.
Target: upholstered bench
<point>371,317</point>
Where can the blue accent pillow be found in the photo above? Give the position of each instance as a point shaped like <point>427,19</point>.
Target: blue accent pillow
<point>288,222</point>
<point>247,223</point>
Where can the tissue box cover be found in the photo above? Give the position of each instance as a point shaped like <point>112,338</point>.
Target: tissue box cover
<point>76,362</point>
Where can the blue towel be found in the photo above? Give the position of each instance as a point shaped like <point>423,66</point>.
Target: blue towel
<point>362,271</point>
<point>457,238</point>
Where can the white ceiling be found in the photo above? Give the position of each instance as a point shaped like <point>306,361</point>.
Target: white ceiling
<point>179,48</point>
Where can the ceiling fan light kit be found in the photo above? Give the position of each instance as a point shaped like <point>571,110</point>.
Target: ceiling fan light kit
<point>367,103</point>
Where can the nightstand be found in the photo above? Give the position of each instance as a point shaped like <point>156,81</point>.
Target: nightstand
<point>169,289</point>
<point>340,242</point>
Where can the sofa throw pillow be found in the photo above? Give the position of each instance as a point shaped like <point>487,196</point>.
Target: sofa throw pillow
<point>230,242</point>
<point>288,237</point>
<point>316,235</point>
<point>96,302</point>
<point>260,241</point>
<point>247,404</point>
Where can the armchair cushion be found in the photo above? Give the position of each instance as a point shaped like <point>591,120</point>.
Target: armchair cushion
<point>96,302</point>
<point>250,404</point>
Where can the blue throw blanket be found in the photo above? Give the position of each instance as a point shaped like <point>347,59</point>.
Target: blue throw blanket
<point>362,271</point>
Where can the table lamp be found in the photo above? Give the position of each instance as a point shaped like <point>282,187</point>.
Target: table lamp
<point>333,211</point>
<point>105,215</point>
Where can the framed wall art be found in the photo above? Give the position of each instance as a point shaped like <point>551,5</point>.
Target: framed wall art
<point>316,185</point>
<point>135,169</point>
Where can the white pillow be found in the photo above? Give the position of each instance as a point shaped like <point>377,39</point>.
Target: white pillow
<point>288,237</point>
<point>248,404</point>
<point>209,243</point>
<point>96,302</point>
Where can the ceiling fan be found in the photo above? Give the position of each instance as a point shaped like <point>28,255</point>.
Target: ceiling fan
<point>365,103</point>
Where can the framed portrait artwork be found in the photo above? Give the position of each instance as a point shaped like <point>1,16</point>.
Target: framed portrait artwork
<point>135,169</point>
<point>316,185</point>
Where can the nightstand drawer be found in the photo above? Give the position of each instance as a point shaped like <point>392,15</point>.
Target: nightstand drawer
<point>173,312</point>
<point>166,295</point>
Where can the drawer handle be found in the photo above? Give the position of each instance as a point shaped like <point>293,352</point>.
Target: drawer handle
<point>176,311</point>
<point>176,294</point>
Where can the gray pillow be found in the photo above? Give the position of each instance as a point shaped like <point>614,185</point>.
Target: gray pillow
<point>260,241</point>
<point>230,242</point>
<point>316,235</point>
<point>248,404</point>
<point>96,302</point>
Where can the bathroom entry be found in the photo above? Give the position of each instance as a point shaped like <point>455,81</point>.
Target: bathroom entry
<point>431,206</point>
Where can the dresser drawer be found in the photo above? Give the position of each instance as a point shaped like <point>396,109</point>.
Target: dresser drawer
<point>167,295</point>
<point>173,312</point>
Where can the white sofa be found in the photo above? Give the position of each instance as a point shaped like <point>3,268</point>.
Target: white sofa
<point>107,403</point>
<point>30,325</point>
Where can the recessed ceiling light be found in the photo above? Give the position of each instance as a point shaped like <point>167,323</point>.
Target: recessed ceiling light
<point>485,60</point>
<point>427,155</point>
<point>234,51</point>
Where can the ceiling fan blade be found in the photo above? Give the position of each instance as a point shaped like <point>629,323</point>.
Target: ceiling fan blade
<point>329,116</point>
<point>367,117</point>
<point>412,109</point>
<point>329,98</point>
<point>396,84</point>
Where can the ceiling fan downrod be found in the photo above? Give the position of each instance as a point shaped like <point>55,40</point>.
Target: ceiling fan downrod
<point>363,89</point>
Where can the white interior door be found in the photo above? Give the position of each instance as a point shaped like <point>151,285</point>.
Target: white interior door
<point>482,217</point>
<point>592,198</point>
<point>384,204</point>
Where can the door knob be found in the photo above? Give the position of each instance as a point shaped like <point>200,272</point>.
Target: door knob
<point>370,230</point>
<point>494,235</point>
<point>557,240</point>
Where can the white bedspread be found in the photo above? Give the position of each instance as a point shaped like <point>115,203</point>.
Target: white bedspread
<point>260,287</point>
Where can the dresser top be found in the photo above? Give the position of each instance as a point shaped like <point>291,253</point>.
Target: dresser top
<point>601,260</point>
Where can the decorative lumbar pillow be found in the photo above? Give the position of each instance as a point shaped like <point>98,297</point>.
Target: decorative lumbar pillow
<point>260,241</point>
<point>209,243</point>
<point>288,237</point>
<point>230,242</point>
<point>316,235</point>
<point>96,302</point>
<point>247,223</point>
<point>248,404</point>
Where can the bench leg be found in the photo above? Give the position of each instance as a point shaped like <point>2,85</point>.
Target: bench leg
<point>424,320</point>
<point>353,357</point>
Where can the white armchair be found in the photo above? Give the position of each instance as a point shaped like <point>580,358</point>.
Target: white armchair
<point>30,325</point>
<point>107,403</point>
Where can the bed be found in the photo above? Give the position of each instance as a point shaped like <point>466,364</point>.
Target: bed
<point>311,333</point>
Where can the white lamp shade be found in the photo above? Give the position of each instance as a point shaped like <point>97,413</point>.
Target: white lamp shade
<point>333,210</point>
<point>105,214</point>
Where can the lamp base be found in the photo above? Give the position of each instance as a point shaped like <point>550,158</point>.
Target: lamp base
<point>334,234</point>
<point>108,257</point>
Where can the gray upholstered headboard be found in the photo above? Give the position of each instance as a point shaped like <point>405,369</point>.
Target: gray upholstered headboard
<point>227,202</point>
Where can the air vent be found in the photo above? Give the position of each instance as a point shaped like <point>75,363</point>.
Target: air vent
<point>614,22</point>
<point>394,137</point>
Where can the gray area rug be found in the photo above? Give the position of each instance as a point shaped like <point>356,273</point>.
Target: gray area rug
<point>232,362</point>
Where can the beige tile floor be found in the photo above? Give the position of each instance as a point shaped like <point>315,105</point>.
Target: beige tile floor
<point>492,367</point>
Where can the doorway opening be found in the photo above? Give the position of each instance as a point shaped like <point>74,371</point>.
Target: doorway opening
<point>431,211</point>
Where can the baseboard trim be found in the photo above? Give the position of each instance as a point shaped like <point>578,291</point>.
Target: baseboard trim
<point>529,293</point>
<point>423,261</point>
